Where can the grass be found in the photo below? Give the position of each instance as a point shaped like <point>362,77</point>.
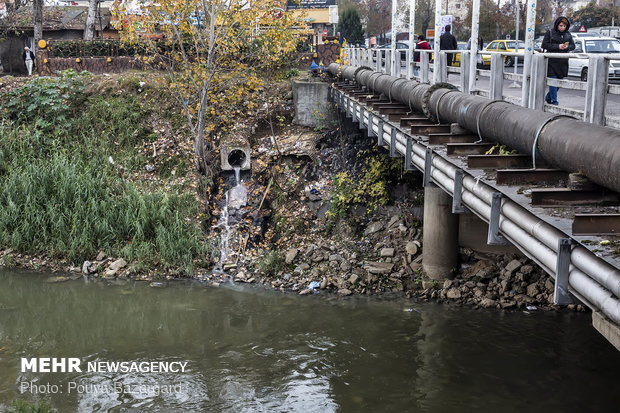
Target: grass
<point>59,194</point>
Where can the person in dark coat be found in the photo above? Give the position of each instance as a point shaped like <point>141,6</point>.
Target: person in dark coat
<point>448,42</point>
<point>557,40</point>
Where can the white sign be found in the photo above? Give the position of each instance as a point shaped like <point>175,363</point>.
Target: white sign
<point>445,20</point>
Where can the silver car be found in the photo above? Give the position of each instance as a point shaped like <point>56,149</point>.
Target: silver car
<point>590,46</point>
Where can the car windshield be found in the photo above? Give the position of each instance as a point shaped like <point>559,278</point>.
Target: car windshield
<point>462,46</point>
<point>602,46</point>
<point>511,45</point>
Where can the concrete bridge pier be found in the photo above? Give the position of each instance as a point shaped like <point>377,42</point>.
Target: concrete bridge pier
<point>441,230</point>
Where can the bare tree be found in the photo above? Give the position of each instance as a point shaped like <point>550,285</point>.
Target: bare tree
<point>89,30</point>
<point>37,14</point>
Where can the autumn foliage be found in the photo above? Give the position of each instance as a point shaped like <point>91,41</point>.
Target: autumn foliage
<point>216,54</point>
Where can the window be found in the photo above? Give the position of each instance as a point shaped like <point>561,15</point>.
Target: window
<point>502,46</point>
<point>578,48</point>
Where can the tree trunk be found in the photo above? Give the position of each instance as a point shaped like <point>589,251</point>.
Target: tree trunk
<point>37,14</point>
<point>89,30</point>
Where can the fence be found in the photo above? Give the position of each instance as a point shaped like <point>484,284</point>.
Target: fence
<point>597,87</point>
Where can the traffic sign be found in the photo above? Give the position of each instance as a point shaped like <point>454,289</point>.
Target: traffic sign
<point>583,29</point>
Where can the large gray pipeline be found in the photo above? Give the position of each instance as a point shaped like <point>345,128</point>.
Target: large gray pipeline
<point>566,143</point>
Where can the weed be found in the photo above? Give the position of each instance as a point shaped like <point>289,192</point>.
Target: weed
<point>271,263</point>
<point>22,406</point>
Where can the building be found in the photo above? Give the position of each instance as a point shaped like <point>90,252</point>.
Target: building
<point>320,15</point>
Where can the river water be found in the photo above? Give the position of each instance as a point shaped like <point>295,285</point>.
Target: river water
<point>250,350</point>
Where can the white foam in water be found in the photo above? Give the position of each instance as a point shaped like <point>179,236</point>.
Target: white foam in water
<point>236,197</point>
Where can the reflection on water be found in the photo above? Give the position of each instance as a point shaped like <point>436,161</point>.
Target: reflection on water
<point>250,350</point>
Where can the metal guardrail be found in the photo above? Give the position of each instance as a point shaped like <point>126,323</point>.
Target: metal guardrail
<point>597,87</point>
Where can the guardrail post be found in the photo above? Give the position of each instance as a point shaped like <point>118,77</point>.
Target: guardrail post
<point>388,62</point>
<point>538,82</point>
<point>441,65</point>
<point>596,91</point>
<point>396,66</point>
<point>493,236</point>
<point>561,295</point>
<point>378,58</point>
<point>497,77</point>
<point>409,65</point>
<point>424,66</point>
<point>465,71</point>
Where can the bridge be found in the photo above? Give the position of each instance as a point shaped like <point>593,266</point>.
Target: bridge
<point>523,197</point>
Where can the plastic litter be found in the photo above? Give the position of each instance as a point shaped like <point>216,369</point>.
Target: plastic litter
<point>314,285</point>
<point>531,307</point>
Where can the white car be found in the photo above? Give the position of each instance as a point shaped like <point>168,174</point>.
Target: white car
<point>593,45</point>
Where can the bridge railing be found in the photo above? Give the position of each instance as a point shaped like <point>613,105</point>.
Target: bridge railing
<point>597,87</point>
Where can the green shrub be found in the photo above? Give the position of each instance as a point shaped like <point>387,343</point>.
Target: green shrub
<point>22,406</point>
<point>271,263</point>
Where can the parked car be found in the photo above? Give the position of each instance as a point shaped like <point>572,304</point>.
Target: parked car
<point>456,61</point>
<point>593,45</point>
<point>399,46</point>
<point>503,46</point>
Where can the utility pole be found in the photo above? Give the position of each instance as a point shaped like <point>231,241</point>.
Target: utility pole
<point>515,84</point>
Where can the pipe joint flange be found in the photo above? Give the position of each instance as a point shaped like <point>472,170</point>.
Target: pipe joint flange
<point>358,70</point>
<point>392,85</point>
<point>485,107</point>
<point>426,98</point>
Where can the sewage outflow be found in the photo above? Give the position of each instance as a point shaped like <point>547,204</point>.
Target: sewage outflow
<point>235,199</point>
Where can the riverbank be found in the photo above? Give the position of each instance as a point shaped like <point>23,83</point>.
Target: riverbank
<point>326,211</point>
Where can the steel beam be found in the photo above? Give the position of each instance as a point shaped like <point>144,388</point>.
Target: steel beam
<point>564,197</point>
<point>596,224</point>
<point>531,177</point>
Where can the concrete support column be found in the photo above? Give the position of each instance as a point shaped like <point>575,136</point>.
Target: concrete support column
<point>441,248</point>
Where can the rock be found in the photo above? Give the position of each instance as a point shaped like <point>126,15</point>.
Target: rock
<point>411,248</point>
<point>344,292</point>
<point>149,167</point>
<point>291,255</point>
<point>402,228</point>
<point>373,227</point>
<point>447,284</point>
<point>387,252</point>
<point>323,284</point>
<point>513,266</point>
<point>532,290</point>
<point>229,266</point>
<point>507,304</point>
<point>100,256</point>
<point>345,265</point>
<point>86,267</point>
<point>111,272</point>
<point>522,299</point>
<point>527,269</point>
<point>549,285</point>
<point>488,303</point>
<point>335,257</point>
<point>379,267</point>
<point>353,278</point>
<point>302,267</point>
<point>118,264</point>
<point>306,291</point>
<point>453,293</point>
<point>393,221</point>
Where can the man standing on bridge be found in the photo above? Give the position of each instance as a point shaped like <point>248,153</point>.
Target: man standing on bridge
<point>448,42</point>
<point>557,40</point>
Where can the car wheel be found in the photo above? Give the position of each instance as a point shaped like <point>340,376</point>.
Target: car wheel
<point>509,61</point>
<point>584,74</point>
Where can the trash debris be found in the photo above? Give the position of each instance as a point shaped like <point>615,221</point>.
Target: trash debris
<point>531,307</point>
<point>314,285</point>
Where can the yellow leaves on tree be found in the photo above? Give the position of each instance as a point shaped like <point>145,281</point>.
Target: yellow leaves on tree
<point>215,52</point>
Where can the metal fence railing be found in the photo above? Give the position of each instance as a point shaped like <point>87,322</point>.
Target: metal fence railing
<point>597,88</point>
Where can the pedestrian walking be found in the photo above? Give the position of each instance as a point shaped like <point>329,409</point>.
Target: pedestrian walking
<point>479,63</point>
<point>448,42</point>
<point>422,44</point>
<point>557,40</point>
<point>28,59</point>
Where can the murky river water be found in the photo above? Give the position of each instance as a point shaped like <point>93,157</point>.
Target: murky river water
<point>250,350</point>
